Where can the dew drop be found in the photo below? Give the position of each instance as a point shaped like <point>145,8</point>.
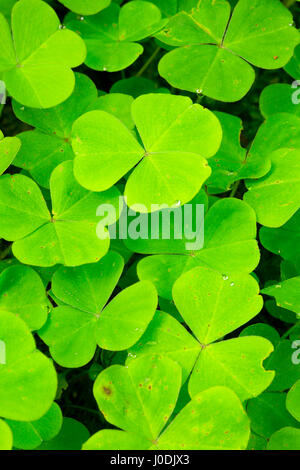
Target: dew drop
<point>225,277</point>
<point>199,91</point>
<point>62,26</point>
<point>81,18</point>
<point>231,284</point>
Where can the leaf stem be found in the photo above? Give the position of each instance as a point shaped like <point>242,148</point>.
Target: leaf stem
<point>83,408</point>
<point>148,62</point>
<point>234,189</point>
<point>290,330</point>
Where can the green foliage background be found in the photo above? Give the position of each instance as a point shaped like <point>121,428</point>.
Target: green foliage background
<point>142,344</point>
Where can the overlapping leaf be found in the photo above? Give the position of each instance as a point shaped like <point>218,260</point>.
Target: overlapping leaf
<point>36,61</point>
<point>215,49</point>
<point>111,36</point>
<point>82,320</point>
<point>69,235</point>
<point>9,148</point>
<point>177,138</point>
<point>147,391</point>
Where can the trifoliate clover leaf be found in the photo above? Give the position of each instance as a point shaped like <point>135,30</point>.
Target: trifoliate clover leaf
<point>268,414</point>
<point>84,320</point>
<point>68,236</point>
<point>22,293</point>
<point>215,49</point>
<point>230,249</point>
<point>50,143</point>
<point>88,7</point>
<point>212,306</point>
<point>27,378</point>
<point>287,294</point>
<point>177,138</point>
<point>293,401</point>
<point>31,434</point>
<point>285,439</point>
<point>9,147</point>
<point>111,36</point>
<point>148,389</point>
<point>276,197</point>
<point>6,437</point>
<point>36,61</point>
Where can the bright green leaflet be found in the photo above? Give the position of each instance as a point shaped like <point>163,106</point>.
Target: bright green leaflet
<point>84,320</point>
<point>69,236</point>
<point>293,66</point>
<point>285,439</point>
<point>280,98</point>
<point>177,138</point>
<point>36,63</point>
<point>268,414</point>
<point>111,36</point>
<point>31,434</point>
<point>28,379</point>
<point>118,104</point>
<point>230,158</point>
<point>293,401</point>
<point>148,389</point>
<point>230,249</point>
<point>6,437</point>
<point>286,371</point>
<point>276,197</point>
<point>212,44</point>
<point>9,147</point>
<point>206,301</point>
<point>86,7</point>
<point>287,294</point>
<point>264,330</point>
<point>51,137</point>
<point>283,240</point>
<point>22,293</point>
<point>71,437</point>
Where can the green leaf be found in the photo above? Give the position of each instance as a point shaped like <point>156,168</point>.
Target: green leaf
<point>276,197</point>
<point>282,240</point>
<point>148,389</point>
<point>27,378</point>
<point>51,139</point>
<point>268,414</point>
<point>117,104</point>
<point>74,329</point>
<point>235,363</point>
<point>177,138</point>
<point>286,293</point>
<point>136,86</point>
<point>90,7</point>
<point>293,66</point>
<point>293,400</point>
<point>69,236</point>
<point>31,434</point>
<point>36,61</point>
<point>279,98</point>
<point>212,44</point>
<point>9,147</point>
<point>22,293</point>
<point>6,437</point>
<point>285,439</point>
<point>228,250</point>
<point>71,437</point>
<point>206,300</point>
<point>287,371</point>
<point>111,35</point>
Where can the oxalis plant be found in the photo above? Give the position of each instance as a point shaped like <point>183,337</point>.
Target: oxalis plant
<point>150,225</point>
